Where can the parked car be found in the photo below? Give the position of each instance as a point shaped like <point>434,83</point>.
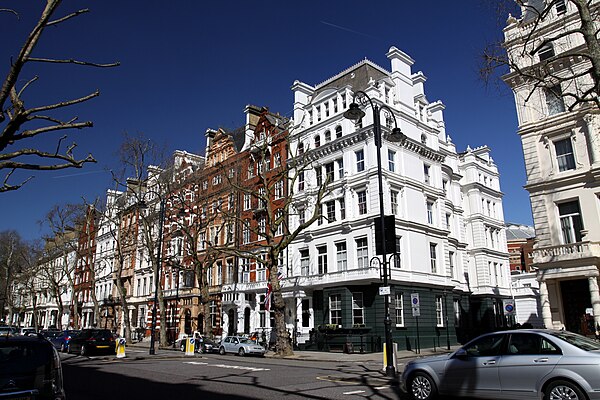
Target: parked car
<point>50,333</point>
<point>30,368</point>
<point>6,330</point>
<point>203,343</point>
<point>523,364</point>
<point>90,341</point>
<point>241,346</point>
<point>29,331</point>
<point>61,341</point>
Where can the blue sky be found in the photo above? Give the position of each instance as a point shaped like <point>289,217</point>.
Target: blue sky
<point>188,65</point>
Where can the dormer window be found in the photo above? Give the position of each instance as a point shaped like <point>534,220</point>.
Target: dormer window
<point>546,51</point>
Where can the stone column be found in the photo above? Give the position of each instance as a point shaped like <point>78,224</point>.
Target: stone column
<point>595,297</point>
<point>593,143</point>
<point>545,302</point>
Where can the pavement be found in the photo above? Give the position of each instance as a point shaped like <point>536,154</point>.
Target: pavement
<point>170,352</point>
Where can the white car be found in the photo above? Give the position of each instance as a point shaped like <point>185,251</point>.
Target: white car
<point>241,346</point>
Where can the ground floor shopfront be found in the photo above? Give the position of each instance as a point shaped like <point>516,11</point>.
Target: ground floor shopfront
<point>329,319</point>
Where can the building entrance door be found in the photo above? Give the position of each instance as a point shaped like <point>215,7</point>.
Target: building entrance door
<point>247,320</point>
<point>575,299</point>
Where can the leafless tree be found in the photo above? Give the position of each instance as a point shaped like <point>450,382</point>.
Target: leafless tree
<point>141,179</point>
<point>62,244</point>
<point>559,69</point>
<point>13,260</point>
<point>20,125</point>
<point>276,172</point>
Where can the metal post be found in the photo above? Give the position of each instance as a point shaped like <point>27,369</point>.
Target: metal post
<point>161,216</point>
<point>390,369</point>
<point>447,326</point>
<point>176,326</point>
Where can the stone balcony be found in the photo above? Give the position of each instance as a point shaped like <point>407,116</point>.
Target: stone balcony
<point>567,255</point>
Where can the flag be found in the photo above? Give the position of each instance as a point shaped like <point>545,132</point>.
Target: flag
<point>268,297</point>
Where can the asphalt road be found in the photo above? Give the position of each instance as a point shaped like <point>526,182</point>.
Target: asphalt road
<point>221,377</point>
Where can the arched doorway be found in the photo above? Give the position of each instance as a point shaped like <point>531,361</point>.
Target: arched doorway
<point>188,322</point>
<point>231,328</point>
<point>247,320</point>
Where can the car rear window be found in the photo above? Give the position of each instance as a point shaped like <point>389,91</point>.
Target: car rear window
<point>102,334</point>
<point>22,356</point>
<point>576,340</point>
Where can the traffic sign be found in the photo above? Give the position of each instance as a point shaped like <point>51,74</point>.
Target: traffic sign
<point>384,291</point>
<point>509,307</point>
<point>414,299</point>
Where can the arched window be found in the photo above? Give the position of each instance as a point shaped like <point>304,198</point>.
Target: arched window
<point>338,132</point>
<point>317,141</point>
<point>424,139</point>
<point>327,136</point>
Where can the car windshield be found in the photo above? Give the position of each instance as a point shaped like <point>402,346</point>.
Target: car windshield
<point>576,340</point>
<point>246,341</point>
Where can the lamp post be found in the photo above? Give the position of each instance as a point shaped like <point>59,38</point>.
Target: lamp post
<point>161,217</point>
<point>354,113</point>
<point>175,327</point>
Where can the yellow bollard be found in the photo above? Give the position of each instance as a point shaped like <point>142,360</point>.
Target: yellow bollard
<point>120,348</point>
<point>190,345</point>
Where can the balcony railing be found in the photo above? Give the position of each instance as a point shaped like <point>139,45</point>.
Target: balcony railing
<point>565,253</point>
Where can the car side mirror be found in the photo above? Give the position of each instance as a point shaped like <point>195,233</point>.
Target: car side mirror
<point>461,354</point>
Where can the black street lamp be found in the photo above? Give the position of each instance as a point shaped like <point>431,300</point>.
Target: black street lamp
<point>161,217</point>
<point>354,113</point>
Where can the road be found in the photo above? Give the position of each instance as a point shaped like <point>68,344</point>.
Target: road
<point>221,377</point>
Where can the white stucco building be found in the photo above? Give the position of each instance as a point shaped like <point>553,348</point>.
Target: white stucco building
<point>446,205</point>
<point>562,159</point>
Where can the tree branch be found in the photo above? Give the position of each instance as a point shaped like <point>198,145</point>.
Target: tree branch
<point>72,61</point>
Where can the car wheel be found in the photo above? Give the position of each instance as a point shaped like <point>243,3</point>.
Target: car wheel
<point>83,351</point>
<point>422,387</point>
<point>222,351</point>
<point>560,390</point>
<point>241,352</point>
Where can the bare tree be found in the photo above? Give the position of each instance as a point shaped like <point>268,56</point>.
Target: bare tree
<point>64,222</point>
<point>142,181</point>
<point>266,230</point>
<point>13,256</point>
<point>574,74</point>
<point>20,124</point>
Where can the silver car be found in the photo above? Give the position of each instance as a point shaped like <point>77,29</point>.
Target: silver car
<point>241,346</point>
<point>517,364</point>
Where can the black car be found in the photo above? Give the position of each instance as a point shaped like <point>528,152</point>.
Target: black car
<point>30,368</point>
<point>92,341</point>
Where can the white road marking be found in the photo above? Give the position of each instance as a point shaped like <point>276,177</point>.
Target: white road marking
<point>382,387</point>
<point>355,392</point>
<point>240,367</point>
<point>228,366</point>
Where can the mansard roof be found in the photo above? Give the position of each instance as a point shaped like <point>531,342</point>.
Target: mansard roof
<point>358,76</point>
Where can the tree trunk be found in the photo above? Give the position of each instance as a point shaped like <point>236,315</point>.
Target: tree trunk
<point>283,345</point>
<point>162,313</point>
